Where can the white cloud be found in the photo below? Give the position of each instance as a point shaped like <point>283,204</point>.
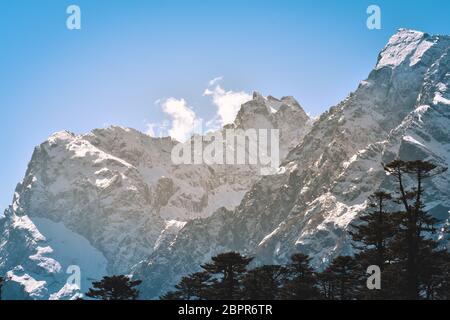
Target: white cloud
<point>182,120</point>
<point>215,80</point>
<point>228,103</point>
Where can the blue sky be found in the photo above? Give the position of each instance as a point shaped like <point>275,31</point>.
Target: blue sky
<point>130,54</point>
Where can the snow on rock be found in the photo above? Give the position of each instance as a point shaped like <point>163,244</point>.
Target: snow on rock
<point>106,200</point>
<point>325,180</point>
<point>70,249</point>
<point>403,45</point>
<point>439,99</point>
<point>37,255</point>
<point>116,193</point>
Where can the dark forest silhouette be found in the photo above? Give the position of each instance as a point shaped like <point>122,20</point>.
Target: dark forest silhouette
<point>114,288</point>
<point>395,234</point>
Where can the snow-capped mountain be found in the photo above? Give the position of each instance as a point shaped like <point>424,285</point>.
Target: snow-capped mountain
<point>105,200</point>
<point>112,201</point>
<point>401,111</point>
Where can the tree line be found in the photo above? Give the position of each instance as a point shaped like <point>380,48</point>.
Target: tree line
<point>395,235</point>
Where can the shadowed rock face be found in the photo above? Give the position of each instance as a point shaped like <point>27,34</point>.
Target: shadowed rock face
<point>115,196</point>
<point>119,191</point>
<point>401,111</point>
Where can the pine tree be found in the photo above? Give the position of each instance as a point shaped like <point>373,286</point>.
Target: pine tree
<point>411,246</point>
<point>302,282</point>
<point>114,288</point>
<point>371,237</point>
<point>192,287</point>
<point>264,283</point>
<point>341,280</point>
<point>375,231</point>
<point>227,270</point>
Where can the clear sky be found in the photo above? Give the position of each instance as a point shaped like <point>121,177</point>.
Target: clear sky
<point>129,54</point>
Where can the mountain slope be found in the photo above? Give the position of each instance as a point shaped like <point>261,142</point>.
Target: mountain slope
<point>400,111</point>
<point>118,196</point>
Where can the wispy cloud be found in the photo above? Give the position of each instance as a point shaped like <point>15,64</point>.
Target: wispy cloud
<point>184,122</point>
<point>215,80</point>
<point>182,118</point>
<point>228,103</point>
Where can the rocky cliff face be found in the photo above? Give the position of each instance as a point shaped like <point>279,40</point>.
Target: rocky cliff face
<point>106,200</point>
<point>401,111</point>
<point>112,201</point>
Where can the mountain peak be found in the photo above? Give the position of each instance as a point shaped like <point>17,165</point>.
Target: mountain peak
<point>61,136</point>
<point>409,31</point>
<point>258,96</point>
<point>405,46</point>
<point>268,107</point>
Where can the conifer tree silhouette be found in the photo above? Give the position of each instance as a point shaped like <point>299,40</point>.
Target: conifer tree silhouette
<point>264,283</point>
<point>302,280</point>
<point>227,270</point>
<point>374,231</point>
<point>341,280</point>
<point>372,235</point>
<point>192,287</point>
<point>411,245</point>
<point>114,288</point>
